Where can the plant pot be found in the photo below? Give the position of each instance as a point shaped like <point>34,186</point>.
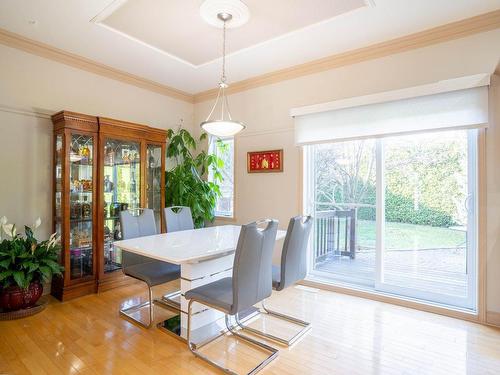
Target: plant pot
<point>14,298</point>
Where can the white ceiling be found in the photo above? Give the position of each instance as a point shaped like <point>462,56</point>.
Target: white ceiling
<point>185,61</point>
<point>176,27</point>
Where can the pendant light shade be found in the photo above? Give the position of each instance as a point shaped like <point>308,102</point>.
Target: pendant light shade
<point>223,126</point>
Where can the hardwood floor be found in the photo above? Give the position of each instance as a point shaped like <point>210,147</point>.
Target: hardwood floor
<point>350,335</point>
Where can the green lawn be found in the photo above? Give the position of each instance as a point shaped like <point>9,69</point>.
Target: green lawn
<point>410,236</point>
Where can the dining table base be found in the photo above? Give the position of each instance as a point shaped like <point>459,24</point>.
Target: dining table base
<point>205,334</point>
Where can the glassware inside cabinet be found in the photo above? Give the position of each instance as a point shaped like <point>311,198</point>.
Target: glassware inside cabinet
<point>121,186</point>
<point>81,205</point>
<point>80,249</point>
<point>153,182</point>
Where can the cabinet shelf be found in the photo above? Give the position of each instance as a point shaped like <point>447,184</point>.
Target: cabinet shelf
<point>86,247</point>
<point>132,163</point>
<point>80,220</point>
<point>80,164</point>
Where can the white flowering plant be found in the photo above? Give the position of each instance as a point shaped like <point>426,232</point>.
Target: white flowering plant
<point>23,259</point>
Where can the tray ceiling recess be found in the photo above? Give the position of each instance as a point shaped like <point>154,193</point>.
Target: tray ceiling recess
<point>180,28</point>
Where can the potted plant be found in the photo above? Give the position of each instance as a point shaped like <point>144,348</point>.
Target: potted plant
<point>185,183</point>
<point>24,264</point>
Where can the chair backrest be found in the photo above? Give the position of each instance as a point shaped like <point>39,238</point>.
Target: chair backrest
<point>252,268</point>
<point>293,256</point>
<point>133,227</point>
<point>178,218</point>
<point>137,226</point>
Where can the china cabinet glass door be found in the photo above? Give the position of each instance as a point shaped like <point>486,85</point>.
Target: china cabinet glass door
<point>153,181</point>
<point>58,184</point>
<point>81,205</point>
<point>122,181</point>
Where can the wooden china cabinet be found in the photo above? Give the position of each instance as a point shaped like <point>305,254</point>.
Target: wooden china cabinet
<point>101,167</point>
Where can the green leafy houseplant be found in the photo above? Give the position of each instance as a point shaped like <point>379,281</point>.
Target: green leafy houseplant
<point>24,264</point>
<point>185,183</point>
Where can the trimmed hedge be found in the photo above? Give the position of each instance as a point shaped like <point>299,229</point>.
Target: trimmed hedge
<point>400,209</point>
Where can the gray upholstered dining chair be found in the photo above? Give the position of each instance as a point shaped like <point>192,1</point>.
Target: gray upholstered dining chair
<point>178,218</point>
<point>293,268</point>
<point>250,283</point>
<point>152,272</point>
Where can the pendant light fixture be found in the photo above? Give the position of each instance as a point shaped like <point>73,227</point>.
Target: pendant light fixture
<point>219,121</point>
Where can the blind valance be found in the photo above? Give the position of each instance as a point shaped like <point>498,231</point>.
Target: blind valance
<point>460,104</point>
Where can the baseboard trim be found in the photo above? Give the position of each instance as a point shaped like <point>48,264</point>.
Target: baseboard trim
<point>493,318</point>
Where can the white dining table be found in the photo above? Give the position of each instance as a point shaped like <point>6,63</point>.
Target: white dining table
<point>204,255</point>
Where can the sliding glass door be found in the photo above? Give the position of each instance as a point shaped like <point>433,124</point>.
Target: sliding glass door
<point>397,215</point>
<point>344,209</point>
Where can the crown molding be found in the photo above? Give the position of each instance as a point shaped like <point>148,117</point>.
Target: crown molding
<point>44,50</point>
<point>257,133</point>
<point>25,111</point>
<point>455,30</point>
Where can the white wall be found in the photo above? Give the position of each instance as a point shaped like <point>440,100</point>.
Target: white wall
<point>32,87</point>
<point>493,200</point>
<point>265,111</point>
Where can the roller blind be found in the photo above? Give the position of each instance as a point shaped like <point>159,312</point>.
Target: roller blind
<point>458,104</point>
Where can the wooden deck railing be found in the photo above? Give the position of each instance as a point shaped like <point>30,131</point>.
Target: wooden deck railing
<point>335,234</point>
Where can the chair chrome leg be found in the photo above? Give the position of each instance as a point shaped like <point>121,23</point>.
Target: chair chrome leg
<point>265,362</point>
<point>259,332</point>
<point>127,313</point>
<point>192,348</point>
<point>306,327</point>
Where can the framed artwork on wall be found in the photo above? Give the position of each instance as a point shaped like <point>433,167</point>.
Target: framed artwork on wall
<point>265,161</point>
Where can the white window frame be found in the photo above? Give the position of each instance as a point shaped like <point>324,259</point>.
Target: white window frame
<point>212,150</point>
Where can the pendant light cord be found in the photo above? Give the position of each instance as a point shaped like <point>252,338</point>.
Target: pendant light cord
<point>231,127</point>
<point>223,77</point>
